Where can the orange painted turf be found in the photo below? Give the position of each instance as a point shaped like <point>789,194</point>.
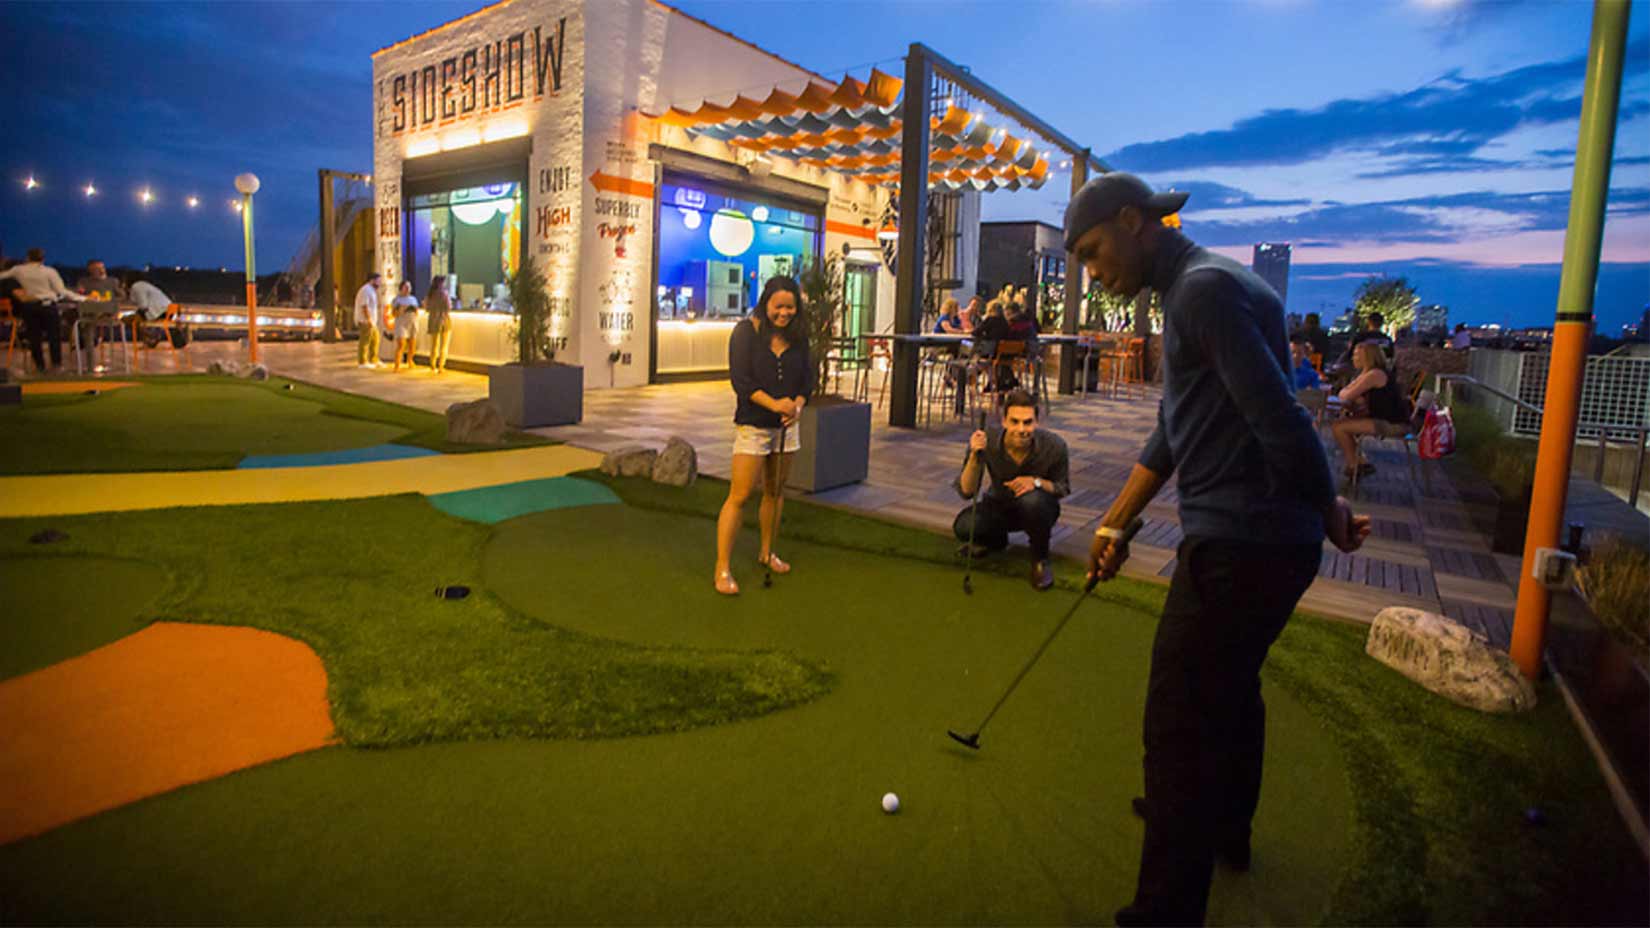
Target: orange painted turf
<point>172,705</point>
<point>44,387</point>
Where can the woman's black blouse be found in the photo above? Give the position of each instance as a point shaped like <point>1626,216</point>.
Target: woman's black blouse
<point>753,366</point>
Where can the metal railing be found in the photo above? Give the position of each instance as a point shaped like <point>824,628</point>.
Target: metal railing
<point>1445,387</point>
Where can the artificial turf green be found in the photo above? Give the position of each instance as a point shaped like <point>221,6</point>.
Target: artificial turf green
<point>356,580</point>
<point>509,500</point>
<point>1440,791</point>
<point>56,607</point>
<point>197,422</point>
<point>1383,804</point>
<point>771,820</point>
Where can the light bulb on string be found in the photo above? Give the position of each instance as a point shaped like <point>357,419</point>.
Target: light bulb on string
<point>146,196</point>
<point>91,190</point>
<point>31,183</point>
<point>192,202</point>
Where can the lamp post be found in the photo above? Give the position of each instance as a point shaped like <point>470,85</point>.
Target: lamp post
<point>248,184</point>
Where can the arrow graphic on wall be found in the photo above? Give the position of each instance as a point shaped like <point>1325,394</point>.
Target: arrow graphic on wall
<point>611,184</point>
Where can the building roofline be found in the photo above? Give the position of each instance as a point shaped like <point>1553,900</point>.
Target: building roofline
<point>452,22</point>
<point>665,6</point>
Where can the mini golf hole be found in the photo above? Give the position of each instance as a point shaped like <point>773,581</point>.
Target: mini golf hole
<point>451,592</point>
<point>47,536</point>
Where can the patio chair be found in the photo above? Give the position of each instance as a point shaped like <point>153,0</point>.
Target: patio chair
<point>167,324</point>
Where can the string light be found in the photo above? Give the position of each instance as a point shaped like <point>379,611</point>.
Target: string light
<point>192,202</point>
<point>146,196</point>
<point>31,183</point>
<point>91,190</point>
<point>235,205</point>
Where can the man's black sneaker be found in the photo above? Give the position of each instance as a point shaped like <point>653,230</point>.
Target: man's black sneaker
<point>1042,576</point>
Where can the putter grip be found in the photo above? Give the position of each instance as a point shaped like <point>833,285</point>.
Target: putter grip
<point>1132,530</point>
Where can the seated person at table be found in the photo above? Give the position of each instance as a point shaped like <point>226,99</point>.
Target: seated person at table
<point>991,330</point>
<point>35,301</point>
<point>1309,387</point>
<point>1021,325</point>
<point>1373,403</point>
<point>152,304</point>
<point>950,321</point>
<point>1300,352</point>
<point>1312,330</point>
<point>971,313</point>
<point>1029,470</point>
<point>98,285</point>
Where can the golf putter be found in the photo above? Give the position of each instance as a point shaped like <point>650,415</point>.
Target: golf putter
<point>973,512</point>
<point>972,740</point>
<point>767,566</point>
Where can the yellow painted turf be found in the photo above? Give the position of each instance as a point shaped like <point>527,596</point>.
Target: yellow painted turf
<point>76,494</point>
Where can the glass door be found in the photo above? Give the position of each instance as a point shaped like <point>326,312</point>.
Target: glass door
<point>859,294</point>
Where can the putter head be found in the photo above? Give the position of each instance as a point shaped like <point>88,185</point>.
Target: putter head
<point>767,580</point>
<point>968,586</point>
<point>967,741</point>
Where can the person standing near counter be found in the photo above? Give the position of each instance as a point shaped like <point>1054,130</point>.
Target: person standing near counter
<point>366,320</point>
<point>772,378</point>
<point>439,305</point>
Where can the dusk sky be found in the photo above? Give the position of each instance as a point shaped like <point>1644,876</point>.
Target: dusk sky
<point>1433,139</point>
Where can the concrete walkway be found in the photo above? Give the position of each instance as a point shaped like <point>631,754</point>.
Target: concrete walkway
<point>1428,548</point>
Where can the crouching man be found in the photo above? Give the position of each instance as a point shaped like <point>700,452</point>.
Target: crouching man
<point>1029,470</point>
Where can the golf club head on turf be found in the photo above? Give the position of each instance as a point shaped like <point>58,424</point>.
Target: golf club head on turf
<point>767,579</point>
<point>968,585</point>
<point>968,741</point>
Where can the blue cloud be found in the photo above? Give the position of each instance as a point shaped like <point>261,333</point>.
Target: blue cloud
<point>1452,115</point>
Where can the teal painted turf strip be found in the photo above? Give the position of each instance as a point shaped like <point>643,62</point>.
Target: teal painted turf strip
<point>386,452</point>
<point>506,501</point>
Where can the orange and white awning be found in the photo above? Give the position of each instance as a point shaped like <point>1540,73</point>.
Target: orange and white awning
<point>854,127</point>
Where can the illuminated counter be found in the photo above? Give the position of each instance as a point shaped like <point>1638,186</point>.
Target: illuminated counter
<point>694,347</point>
<point>273,321</point>
<point>478,337</point>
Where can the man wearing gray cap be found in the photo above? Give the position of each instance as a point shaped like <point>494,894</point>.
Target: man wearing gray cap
<point>1256,502</point>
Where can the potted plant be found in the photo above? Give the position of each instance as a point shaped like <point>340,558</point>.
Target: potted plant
<point>836,432</point>
<point>535,390</point>
<point>1599,640</point>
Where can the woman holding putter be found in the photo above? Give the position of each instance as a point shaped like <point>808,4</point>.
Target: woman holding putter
<point>772,377</point>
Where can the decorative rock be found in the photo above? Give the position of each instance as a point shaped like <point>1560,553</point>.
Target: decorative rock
<point>677,465</point>
<point>475,423</point>
<point>224,368</point>
<point>1448,659</point>
<point>256,372</point>
<point>630,461</point>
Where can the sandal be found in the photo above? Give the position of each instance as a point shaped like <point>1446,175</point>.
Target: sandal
<point>774,564</point>
<point>725,584</point>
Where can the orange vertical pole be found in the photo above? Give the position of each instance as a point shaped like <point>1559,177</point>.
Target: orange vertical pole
<point>1573,323</point>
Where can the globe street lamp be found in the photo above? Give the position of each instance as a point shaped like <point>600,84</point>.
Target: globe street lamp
<point>247,184</point>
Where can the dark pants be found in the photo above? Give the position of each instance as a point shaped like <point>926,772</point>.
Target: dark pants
<point>1033,513</point>
<point>42,320</point>
<point>1205,728</point>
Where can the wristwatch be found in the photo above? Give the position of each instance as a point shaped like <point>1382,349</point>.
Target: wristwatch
<point>1106,531</point>
<point>1037,483</point>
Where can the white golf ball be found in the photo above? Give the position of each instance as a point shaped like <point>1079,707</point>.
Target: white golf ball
<point>890,803</point>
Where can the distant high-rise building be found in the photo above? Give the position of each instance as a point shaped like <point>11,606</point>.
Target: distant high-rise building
<point>1272,264</point>
<point>1432,318</point>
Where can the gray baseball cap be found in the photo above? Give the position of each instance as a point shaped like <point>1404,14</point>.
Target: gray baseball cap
<point>1101,198</point>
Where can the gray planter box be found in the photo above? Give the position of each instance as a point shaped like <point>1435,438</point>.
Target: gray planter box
<point>836,446</point>
<point>537,394</point>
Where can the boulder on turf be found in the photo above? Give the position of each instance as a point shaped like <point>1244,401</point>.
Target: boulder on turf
<point>1449,659</point>
<point>630,461</point>
<point>224,368</point>
<point>256,372</point>
<point>475,423</point>
<point>677,465</point>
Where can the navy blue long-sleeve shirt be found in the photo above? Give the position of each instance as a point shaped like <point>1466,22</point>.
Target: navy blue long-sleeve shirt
<point>753,366</point>
<point>1249,461</point>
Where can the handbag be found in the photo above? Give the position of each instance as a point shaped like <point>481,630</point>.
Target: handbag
<point>1437,437</point>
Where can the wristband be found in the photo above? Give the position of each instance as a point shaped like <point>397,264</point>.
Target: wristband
<point>1106,531</point>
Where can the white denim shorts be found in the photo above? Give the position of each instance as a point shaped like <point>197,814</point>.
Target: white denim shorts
<point>751,439</point>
